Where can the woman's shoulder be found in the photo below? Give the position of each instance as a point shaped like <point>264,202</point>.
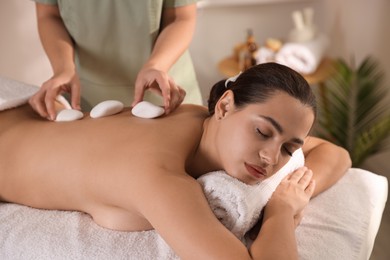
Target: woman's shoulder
<point>193,109</point>
<point>188,113</point>
<point>187,117</point>
<point>185,122</point>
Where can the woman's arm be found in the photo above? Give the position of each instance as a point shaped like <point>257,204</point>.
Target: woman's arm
<point>178,26</point>
<point>178,210</point>
<point>328,162</point>
<point>58,46</point>
<point>276,239</point>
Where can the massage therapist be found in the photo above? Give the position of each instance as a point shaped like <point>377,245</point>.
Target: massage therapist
<point>117,50</point>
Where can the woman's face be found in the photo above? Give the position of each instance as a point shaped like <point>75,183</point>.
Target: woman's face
<point>256,141</point>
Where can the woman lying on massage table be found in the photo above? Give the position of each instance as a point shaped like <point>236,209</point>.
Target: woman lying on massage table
<point>136,174</point>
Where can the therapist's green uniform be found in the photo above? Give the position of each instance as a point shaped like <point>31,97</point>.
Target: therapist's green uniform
<point>113,39</point>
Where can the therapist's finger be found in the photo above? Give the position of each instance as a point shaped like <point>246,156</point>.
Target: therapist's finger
<point>166,91</point>
<point>50,99</point>
<point>37,102</point>
<point>177,96</point>
<point>139,92</point>
<point>76,96</point>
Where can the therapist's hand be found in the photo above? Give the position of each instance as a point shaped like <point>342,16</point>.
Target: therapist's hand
<point>160,83</point>
<point>43,102</point>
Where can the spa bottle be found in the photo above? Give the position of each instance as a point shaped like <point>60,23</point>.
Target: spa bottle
<point>251,49</point>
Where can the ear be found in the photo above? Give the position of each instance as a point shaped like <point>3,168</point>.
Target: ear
<point>225,105</point>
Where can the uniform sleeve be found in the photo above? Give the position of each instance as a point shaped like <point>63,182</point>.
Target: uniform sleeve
<point>50,2</point>
<point>177,3</point>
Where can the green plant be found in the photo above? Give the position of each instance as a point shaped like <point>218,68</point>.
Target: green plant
<point>353,111</point>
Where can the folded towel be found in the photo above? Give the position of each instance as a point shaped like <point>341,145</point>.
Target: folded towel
<point>303,57</point>
<point>14,93</point>
<point>238,205</point>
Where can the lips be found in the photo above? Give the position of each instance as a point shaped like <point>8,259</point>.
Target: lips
<point>255,171</point>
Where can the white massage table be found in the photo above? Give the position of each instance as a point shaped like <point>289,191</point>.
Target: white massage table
<point>340,223</point>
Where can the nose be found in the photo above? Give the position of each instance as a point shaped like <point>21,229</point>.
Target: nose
<point>269,156</point>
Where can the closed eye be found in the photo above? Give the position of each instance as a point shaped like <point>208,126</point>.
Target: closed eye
<point>287,151</point>
<point>261,133</point>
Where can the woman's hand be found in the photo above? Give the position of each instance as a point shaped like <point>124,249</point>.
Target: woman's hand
<point>43,102</point>
<point>281,216</point>
<point>158,82</point>
<point>292,195</point>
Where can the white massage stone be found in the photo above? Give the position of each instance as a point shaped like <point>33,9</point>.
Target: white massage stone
<point>106,108</point>
<point>146,109</point>
<point>67,115</point>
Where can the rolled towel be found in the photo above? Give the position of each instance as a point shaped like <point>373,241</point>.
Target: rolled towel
<point>238,205</point>
<point>265,54</point>
<point>303,57</point>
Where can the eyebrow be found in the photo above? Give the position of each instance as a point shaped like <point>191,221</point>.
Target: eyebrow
<point>280,129</point>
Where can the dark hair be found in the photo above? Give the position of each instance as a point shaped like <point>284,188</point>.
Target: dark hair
<point>260,82</point>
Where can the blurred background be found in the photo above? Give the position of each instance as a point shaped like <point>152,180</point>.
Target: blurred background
<point>354,28</point>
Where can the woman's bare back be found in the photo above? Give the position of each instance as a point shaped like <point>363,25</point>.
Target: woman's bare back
<point>94,165</point>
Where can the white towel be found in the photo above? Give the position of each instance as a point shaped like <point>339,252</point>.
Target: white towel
<point>303,57</point>
<point>265,54</point>
<point>27,233</point>
<point>14,93</point>
<point>238,205</point>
